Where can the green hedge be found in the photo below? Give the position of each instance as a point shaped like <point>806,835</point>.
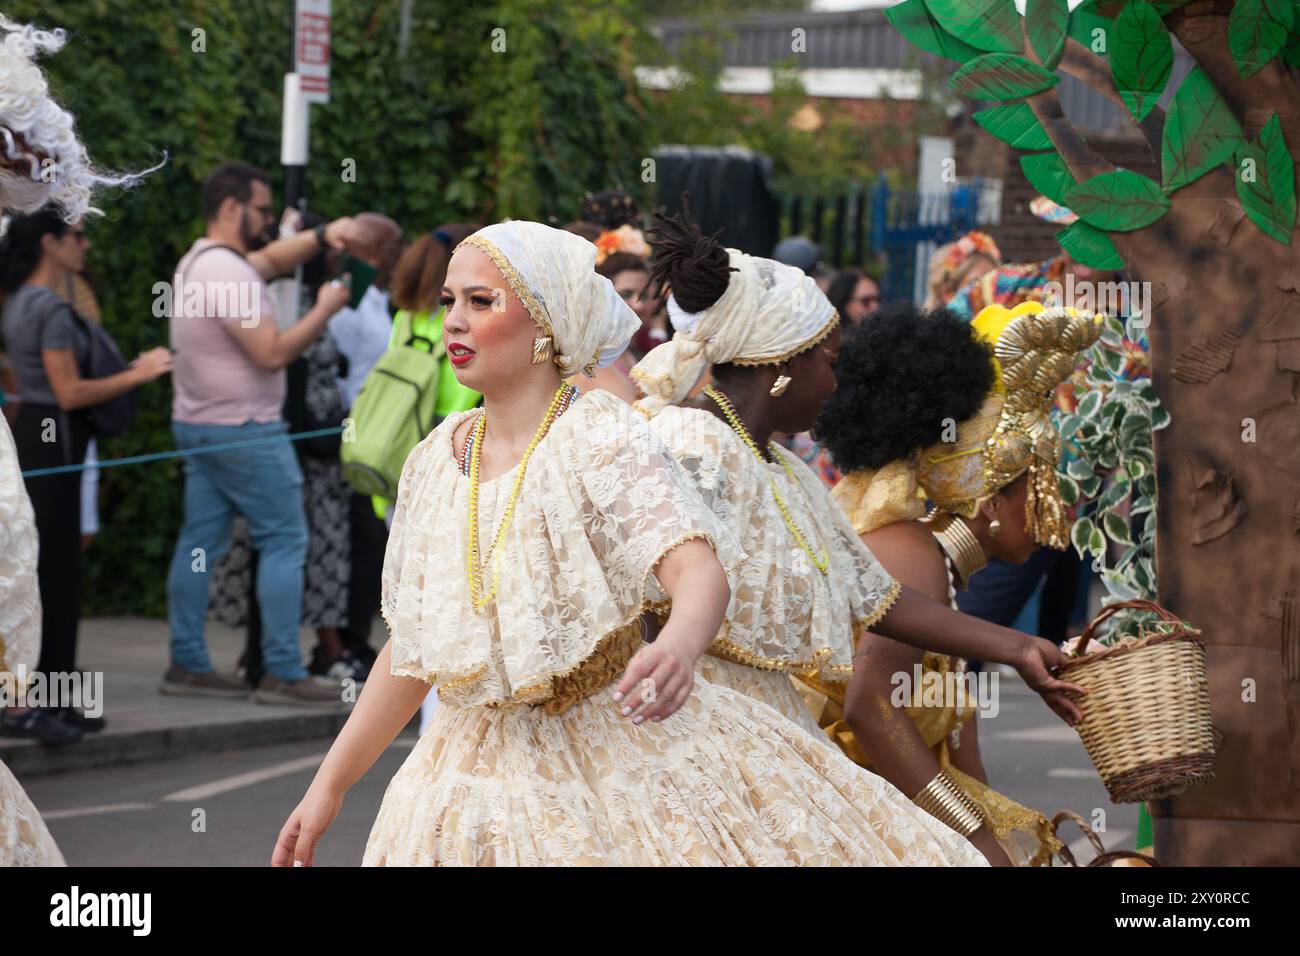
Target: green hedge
<point>450,130</point>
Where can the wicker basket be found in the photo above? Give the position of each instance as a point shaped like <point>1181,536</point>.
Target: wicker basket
<point>1146,717</point>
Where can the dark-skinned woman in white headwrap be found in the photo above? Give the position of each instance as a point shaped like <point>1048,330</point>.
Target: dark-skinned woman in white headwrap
<point>808,587</point>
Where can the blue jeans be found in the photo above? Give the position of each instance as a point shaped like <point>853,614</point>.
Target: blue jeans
<point>264,484</point>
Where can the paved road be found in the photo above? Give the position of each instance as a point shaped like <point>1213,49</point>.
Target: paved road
<point>145,814</point>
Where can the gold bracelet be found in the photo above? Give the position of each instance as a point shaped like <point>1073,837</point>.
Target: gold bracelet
<point>948,803</point>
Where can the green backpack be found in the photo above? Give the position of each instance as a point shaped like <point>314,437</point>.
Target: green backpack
<point>393,413</point>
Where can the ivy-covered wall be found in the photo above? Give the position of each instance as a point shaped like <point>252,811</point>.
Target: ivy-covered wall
<point>452,129</point>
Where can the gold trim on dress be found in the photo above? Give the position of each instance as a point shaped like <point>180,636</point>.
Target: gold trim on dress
<point>541,687</point>
<point>730,651</point>
<point>877,615</point>
<point>825,330</point>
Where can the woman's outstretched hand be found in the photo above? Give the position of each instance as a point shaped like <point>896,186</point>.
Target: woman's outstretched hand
<point>1039,659</point>
<point>296,845</point>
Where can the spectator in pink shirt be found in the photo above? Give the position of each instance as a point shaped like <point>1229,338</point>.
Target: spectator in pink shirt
<point>228,370</point>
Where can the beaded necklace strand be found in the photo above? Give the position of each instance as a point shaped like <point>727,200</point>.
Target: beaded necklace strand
<point>477,569</point>
<point>823,563</point>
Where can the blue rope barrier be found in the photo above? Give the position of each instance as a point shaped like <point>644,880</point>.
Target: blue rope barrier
<point>181,452</point>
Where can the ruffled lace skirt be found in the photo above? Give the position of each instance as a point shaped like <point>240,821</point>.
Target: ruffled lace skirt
<point>724,781</point>
<point>24,840</point>
<point>774,688</point>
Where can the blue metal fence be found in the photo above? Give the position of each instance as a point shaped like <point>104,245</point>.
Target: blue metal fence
<point>898,230</point>
<point>906,228</point>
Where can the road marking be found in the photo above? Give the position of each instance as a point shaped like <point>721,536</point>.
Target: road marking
<point>1051,734</point>
<point>91,811</point>
<point>1072,773</point>
<point>239,780</point>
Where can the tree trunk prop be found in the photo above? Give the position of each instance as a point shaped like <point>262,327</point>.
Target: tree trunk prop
<point>1209,224</point>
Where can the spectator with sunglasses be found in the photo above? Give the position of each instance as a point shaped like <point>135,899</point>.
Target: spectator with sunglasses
<point>854,294</point>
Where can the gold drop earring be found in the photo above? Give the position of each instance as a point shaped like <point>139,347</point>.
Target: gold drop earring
<point>780,385</point>
<point>994,527</point>
<point>541,349</point>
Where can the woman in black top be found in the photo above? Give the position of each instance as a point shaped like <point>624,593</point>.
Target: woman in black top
<point>48,345</point>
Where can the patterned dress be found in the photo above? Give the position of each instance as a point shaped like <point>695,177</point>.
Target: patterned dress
<point>528,761</point>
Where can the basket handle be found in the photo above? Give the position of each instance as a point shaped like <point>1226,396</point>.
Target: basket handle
<point>1139,603</point>
<point>1064,852</point>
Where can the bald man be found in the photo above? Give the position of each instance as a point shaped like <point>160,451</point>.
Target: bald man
<point>362,333</point>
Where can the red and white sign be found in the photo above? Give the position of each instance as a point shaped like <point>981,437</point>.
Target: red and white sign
<point>311,48</point>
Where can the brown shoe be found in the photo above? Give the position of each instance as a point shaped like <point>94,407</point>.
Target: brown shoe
<point>318,693</point>
<point>179,681</point>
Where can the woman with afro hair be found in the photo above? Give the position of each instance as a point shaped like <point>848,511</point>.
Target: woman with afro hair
<point>808,586</point>
<point>929,407</point>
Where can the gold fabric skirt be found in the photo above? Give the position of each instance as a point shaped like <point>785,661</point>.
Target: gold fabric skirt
<point>1025,834</point>
<point>724,781</point>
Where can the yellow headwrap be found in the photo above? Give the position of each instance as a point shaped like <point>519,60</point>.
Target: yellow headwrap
<point>1035,350</point>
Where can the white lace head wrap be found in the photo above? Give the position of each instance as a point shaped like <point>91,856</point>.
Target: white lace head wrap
<point>553,273</point>
<point>769,313</point>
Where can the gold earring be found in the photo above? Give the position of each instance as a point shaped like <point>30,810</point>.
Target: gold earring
<point>541,349</point>
<point>994,527</point>
<point>780,385</point>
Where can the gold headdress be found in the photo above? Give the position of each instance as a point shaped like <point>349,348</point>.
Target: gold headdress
<point>1035,350</point>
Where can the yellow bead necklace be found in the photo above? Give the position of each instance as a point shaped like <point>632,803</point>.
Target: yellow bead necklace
<point>564,396</point>
<point>823,563</point>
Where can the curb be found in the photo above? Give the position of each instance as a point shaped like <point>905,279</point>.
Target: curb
<point>30,759</point>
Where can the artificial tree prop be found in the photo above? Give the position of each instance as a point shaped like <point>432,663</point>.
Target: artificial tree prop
<point>1209,222</point>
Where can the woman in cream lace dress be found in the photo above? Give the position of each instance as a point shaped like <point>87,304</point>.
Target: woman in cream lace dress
<point>807,587</point>
<point>24,840</point>
<point>524,541</point>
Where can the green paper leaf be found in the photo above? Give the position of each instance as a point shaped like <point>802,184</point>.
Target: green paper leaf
<point>1001,76</point>
<point>1269,196</point>
<point>1015,125</point>
<point>1091,29</point>
<point>1291,52</point>
<point>1141,58</point>
<point>1048,174</point>
<point>913,20</point>
<point>1090,246</point>
<point>1118,201</point>
<point>1257,32</point>
<point>1045,22</point>
<point>1200,132</point>
<point>992,25</point>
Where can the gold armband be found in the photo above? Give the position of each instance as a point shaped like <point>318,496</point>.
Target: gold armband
<point>948,803</point>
